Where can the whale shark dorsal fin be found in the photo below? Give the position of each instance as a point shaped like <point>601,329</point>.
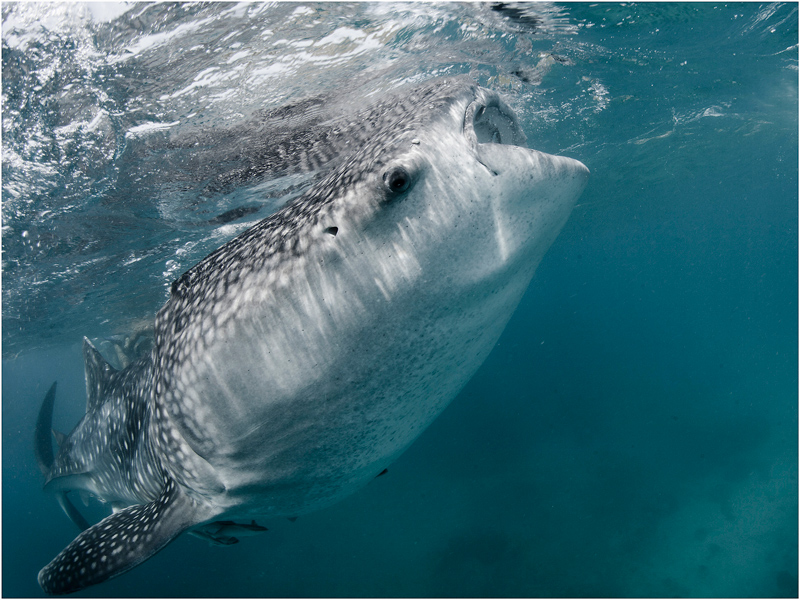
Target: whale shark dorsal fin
<point>120,542</point>
<point>98,372</point>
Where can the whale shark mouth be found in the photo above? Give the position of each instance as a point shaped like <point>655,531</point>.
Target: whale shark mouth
<point>489,120</point>
<point>488,123</point>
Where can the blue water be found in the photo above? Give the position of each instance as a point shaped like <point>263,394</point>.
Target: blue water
<point>634,432</point>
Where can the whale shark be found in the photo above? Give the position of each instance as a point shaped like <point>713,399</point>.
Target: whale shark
<point>294,363</point>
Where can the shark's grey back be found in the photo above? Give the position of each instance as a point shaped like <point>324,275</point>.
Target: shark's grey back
<point>311,135</point>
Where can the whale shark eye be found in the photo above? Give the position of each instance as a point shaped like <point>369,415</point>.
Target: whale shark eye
<point>397,180</point>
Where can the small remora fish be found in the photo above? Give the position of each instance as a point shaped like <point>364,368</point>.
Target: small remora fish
<point>294,363</point>
<point>227,533</point>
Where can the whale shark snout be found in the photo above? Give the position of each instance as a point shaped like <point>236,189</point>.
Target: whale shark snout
<point>295,362</point>
<point>492,129</point>
<point>532,192</point>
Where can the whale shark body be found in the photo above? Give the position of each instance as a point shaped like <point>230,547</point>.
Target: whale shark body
<point>294,363</point>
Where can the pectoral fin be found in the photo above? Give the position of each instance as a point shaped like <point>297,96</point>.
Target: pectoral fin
<point>120,542</point>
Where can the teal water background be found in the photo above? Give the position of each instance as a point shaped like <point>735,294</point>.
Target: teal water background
<point>634,432</point>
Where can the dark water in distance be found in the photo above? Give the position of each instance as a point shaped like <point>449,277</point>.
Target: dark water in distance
<point>634,432</point>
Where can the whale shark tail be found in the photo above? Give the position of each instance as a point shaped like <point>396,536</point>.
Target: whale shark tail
<point>43,449</point>
<point>42,444</point>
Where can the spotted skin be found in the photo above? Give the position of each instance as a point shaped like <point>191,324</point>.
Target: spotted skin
<point>293,364</point>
